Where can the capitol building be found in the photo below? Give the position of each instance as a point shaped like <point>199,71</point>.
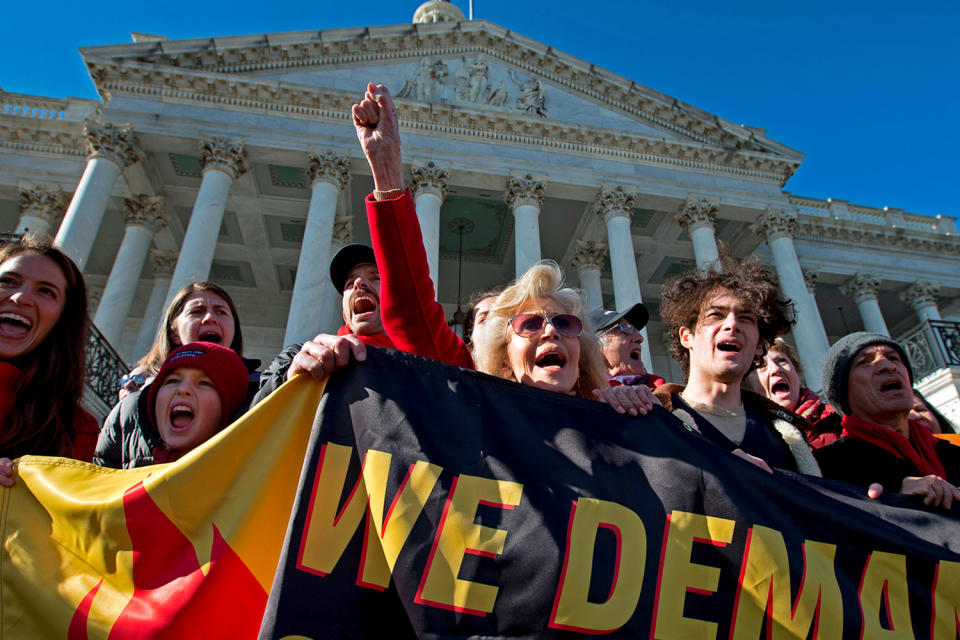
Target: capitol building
<point>235,159</point>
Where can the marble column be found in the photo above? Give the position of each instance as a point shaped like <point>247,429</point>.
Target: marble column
<point>615,206</point>
<point>922,298</point>
<point>329,174</point>
<point>41,208</point>
<point>525,197</point>
<point>163,263</point>
<point>777,226</point>
<point>223,161</point>
<point>697,217</point>
<point>588,261</point>
<point>111,150</point>
<point>862,288</point>
<point>428,184</point>
<point>144,217</point>
<point>331,310</point>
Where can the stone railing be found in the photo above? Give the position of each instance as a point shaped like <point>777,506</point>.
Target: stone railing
<point>104,367</point>
<point>16,104</point>
<point>68,110</point>
<point>885,217</point>
<point>933,345</point>
<point>811,206</point>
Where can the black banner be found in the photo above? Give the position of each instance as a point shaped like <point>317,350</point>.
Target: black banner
<point>441,503</point>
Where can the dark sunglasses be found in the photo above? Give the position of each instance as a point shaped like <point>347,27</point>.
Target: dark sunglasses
<point>527,325</point>
<point>625,328</point>
<point>137,379</point>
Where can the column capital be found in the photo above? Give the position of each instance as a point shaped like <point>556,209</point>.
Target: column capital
<point>861,287</point>
<point>614,201</point>
<point>525,189</point>
<point>327,166</point>
<point>810,278</point>
<point>697,212</point>
<point>775,222</point>
<point>429,177</point>
<point>47,203</point>
<point>342,230</point>
<point>589,254</point>
<point>921,294</point>
<point>145,211</point>
<point>116,143</point>
<point>163,263</point>
<point>223,154</point>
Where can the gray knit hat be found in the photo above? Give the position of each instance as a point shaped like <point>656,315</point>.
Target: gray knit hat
<point>839,359</point>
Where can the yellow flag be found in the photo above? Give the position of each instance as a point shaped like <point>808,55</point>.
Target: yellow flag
<point>186,549</point>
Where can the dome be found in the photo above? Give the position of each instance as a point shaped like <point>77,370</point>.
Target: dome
<point>438,11</point>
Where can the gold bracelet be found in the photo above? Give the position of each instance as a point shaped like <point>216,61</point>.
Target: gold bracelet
<point>387,195</point>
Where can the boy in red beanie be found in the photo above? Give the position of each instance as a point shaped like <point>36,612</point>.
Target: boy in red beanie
<point>199,386</point>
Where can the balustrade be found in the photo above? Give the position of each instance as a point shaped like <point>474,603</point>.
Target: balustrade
<point>932,345</point>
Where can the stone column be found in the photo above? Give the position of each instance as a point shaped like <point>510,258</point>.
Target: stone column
<point>922,297</point>
<point>525,197</point>
<point>111,150</point>
<point>429,187</point>
<point>615,206</point>
<point>777,226</point>
<point>223,161</point>
<point>329,174</point>
<point>588,261</point>
<point>863,289</point>
<point>332,311</point>
<point>144,217</point>
<point>41,209</point>
<point>162,263</point>
<point>697,216</point>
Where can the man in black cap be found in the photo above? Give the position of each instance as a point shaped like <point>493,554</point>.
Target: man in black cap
<point>621,342</point>
<point>867,378</point>
<point>354,273</point>
<point>356,277</point>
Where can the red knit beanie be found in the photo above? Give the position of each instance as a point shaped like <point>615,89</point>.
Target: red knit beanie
<point>221,364</point>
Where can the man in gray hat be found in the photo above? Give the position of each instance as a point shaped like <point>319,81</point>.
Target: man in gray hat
<point>868,379</point>
<point>621,341</point>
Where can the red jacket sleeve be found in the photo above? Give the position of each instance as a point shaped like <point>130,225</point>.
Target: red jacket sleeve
<point>412,317</point>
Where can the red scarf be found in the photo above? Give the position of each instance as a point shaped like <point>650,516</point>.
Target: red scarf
<point>920,450</point>
<point>377,339</point>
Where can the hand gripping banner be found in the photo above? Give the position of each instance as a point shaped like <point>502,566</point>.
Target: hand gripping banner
<point>441,503</point>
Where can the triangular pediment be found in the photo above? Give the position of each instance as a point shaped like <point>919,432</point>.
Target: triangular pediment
<point>473,73</point>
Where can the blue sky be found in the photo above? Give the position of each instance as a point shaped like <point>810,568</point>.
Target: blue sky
<point>869,91</point>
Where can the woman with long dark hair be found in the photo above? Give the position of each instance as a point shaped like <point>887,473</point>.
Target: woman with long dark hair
<point>199,312</point>
<point>43,331</point>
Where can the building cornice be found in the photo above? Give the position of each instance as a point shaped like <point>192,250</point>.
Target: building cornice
<point>134,78</point>
<point>40,136</point>
<point>852,233</point>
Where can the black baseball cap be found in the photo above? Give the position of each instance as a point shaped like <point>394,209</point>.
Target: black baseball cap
<point>349,256</point>
<point>637,315</point>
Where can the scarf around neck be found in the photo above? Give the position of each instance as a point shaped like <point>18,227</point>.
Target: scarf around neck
<point>919,450</point>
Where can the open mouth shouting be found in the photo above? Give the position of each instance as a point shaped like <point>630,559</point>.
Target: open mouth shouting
<point>15,325</point>
<point>210,335</point>
<point>780,388</point>
<point>363,302</point>
<point>553,360</point>
<point>181,416</point>
<point>892,386</point>
<point>729,346</point>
